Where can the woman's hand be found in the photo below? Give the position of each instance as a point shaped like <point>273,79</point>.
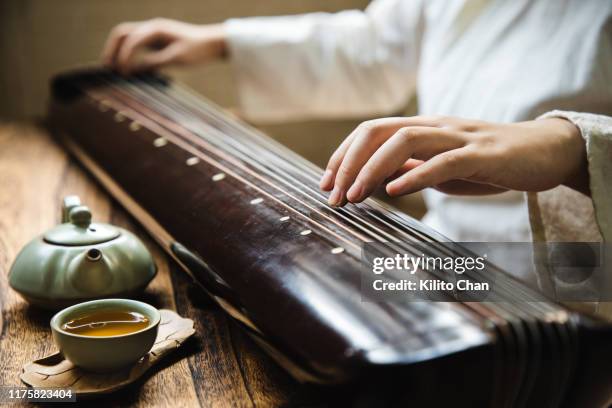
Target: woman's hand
<point>456,156</point>
<point>140,46</point>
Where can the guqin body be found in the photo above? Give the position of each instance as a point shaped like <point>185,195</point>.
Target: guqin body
<point>244,216</point>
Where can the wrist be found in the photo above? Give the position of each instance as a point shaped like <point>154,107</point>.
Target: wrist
<point>213,41</point>
<point>577,175</point>
<point>219,40</point>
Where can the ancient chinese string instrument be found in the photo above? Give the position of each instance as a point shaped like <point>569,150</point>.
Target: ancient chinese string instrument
<point>244,216</point>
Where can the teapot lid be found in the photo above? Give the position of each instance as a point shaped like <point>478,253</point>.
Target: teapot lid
<point>79,230</point>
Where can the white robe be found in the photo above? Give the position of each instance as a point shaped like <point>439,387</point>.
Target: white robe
<point>495,60</point>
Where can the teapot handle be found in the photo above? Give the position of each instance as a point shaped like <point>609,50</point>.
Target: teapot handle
<point>68,204</point>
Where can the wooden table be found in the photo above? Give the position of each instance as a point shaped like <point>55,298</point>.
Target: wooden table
<point>220,366</point>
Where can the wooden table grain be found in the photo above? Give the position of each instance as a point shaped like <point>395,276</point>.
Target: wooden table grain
<point>220,366</point>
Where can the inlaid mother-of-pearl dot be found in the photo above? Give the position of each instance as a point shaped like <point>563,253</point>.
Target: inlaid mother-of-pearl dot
<point>257,200</point>
<point>337,250</point>
<point>192,161</point>
<point>284,219</point>
<point>218,177</point>
<point>305,232</point>
<point>103,106</point>
<point>119,117</point>
<point>134,126</point>
<point>159,142</point>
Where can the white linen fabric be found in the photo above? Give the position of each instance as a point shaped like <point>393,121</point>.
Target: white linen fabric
<point>495,60</point>
<point>596,220</point>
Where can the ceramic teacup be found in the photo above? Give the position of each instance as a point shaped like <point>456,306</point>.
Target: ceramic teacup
<point>107,353</point>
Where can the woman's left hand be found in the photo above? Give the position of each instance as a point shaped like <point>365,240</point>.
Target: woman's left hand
<point>456,156</point>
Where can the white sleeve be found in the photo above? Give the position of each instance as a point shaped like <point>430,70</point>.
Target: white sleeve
<point>597,133</point>
<point>351,63</point>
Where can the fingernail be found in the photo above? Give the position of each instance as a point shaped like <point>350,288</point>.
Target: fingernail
<point>336,197</point>
<point>326,180</point>
<point>355,193</point>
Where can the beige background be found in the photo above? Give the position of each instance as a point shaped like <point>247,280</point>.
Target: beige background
<point>41,37</point>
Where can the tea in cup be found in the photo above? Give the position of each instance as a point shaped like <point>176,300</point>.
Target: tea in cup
<point>107,334</point>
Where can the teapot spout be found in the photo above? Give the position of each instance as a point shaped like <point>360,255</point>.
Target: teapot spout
<point>93,255</point>
<point>90,273</point>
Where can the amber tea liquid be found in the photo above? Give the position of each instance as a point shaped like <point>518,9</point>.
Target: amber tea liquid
<point>107,323</point>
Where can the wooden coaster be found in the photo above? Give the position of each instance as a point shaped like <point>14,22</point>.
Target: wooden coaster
<point>56,371</point>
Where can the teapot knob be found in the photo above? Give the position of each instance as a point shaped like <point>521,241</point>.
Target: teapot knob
<point>68,204</point>
<point>80,216</point>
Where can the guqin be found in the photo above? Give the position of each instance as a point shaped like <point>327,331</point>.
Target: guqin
<point>244,216</point>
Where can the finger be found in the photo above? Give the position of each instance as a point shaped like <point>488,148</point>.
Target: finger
<point>464,187</point>
<point>459,187</point>
<point>409,142</point>
<point>368,137</point>
<point>156,59</point>
<point>142,37</point>
<point>405,168</point>
<point>114,41</point>
<point>451,165</point>
<point>328,180</point>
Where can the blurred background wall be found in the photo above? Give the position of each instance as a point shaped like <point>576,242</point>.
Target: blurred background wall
<point>41,37</point>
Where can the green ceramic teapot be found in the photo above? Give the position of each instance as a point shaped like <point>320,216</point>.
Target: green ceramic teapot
<point>79,260</point>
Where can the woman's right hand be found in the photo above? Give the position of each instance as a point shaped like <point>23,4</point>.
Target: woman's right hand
<point>152,44</point>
